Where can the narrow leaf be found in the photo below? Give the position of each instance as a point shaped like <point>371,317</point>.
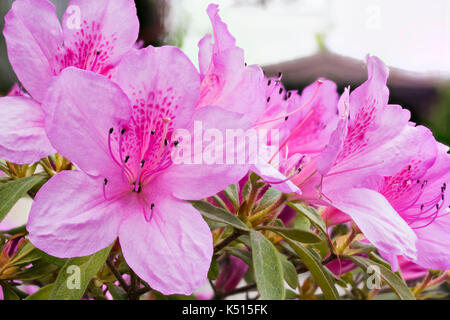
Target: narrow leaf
<point>12,191</point>
<point>398,286</point>
<point>295,234</point>
<point>267,267</point>
<point>216,214</point>
<point>289,272</point>
<point>233,196</point>
<point>76,274</point>
<point>317,270</point>
<point>42,294</point>
<point>311,214</point>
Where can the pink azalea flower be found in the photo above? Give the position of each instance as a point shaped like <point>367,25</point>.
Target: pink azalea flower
<point>93,36</point>
<point>122,140</point>
<point>371,138</point>
<point>226,79</point>
<point>305,123</point>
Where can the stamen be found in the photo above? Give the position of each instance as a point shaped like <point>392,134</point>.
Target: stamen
<point>105,182</point>
<point>292,134</point>
<point>138,176</point>
<point>110,148</point>
<point>97,54</point>
<point>319,84</point>
<point>354,169</point>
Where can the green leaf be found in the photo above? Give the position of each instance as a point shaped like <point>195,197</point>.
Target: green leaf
<point>242,254</point>
<point>289,272</point>
<point>295,234</point>
<point>301,222</point>
<point>116,292</point>
<point>216,214</point>
<point>42,294</point>
<point>12,191</point>
<point>267,267</point>
<point>60,262</point>
<point>232,195</point>
<point>269,197</point>
<point>317,270</point>
<point>76,274</point>
<point>398,286</point>
<point>290,295</point>
<point>213,272</point>
<point>311,214</point>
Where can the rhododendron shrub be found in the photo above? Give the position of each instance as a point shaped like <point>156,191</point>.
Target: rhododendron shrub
<point>152,178</point>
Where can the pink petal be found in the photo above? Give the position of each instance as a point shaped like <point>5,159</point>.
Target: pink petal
<point>223,38</point>
<point>270,174</point>
<point>379,222</point>
<point>81,109</point>
<point>205,49</point>
<point>410,270</point>
<point>108,26</point>
<point>33,35</point>
<point>314,135</point>
<point>226,81</point>
<point>162,77</point>
<point>329,155</point>
<point>374,90</point>
<point>433,251</point>
<point>173,251</point>
<point>71,218</point>
<point>22,135</point>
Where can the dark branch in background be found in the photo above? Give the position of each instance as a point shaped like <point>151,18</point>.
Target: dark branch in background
<point>236,234</point>
<point>117,274</point>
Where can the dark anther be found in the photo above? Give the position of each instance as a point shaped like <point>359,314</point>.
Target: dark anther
<point>289,94</point>
<point>409,167</point>
<point>111,130</point>
<point>299,170</point>
<point>269,82</point>
<point>437,206</point>
<point>418,181</point>
<point>279,74</point>
<point>152,132</point>
<point>285,119</point>
<point>421,207</point>
<point>442,197</point>
<point>97,53</point>
<point>126,159</point>
<point>123,131</point>
<point>142,163</point>
<point>166,142</point>
<point>152,206</point>
<point>105,181</point>
<point>268,99</point>
<point>245,63</point>
<point>281,91</point>
<point>176,142</point>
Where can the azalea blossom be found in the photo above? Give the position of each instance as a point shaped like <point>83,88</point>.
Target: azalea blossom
<point>93,36</point>
<point>127,186</point>
<point>372,138</point>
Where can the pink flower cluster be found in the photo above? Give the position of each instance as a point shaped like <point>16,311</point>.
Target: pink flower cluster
<point>114,111</point>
